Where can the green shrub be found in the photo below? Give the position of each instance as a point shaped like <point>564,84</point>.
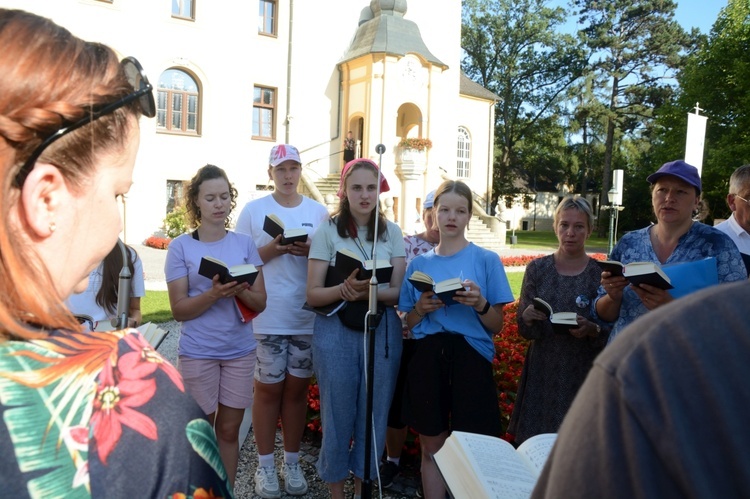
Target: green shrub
<point>174,224</point>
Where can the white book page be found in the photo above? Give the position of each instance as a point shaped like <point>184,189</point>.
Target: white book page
<point>503,472</point>
<point>536,449</point>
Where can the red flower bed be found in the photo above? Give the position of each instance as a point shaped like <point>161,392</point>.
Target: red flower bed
<point>510,351</point>
<point>523,260</point>
<point>157,242</point>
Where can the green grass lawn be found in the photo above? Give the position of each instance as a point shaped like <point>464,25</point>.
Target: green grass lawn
<point>546,240</point>
<point>515,279</point>
<point>155,305</point>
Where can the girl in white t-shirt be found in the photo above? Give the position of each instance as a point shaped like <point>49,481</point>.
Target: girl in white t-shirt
<point>97,306</point>
<point>284,330</point>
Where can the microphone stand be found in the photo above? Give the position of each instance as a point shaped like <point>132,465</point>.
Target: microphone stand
<point>372,315</point>
<point>123,289</point>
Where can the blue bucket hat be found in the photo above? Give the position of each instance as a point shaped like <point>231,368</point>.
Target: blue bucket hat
<point>678,169</point>
<point>429,200</point>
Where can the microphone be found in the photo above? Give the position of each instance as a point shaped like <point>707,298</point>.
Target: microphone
<point>123,290</point>
<point>373,297</point>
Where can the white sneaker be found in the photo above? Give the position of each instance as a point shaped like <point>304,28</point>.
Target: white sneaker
<point>267,482</point>
<point>294,479</point>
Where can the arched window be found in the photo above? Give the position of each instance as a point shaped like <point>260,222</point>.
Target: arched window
<point>178,105</point>
<point>463,153</point>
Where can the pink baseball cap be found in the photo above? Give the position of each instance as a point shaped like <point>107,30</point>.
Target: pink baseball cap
<point>384,187</point>
<point>283,152</point>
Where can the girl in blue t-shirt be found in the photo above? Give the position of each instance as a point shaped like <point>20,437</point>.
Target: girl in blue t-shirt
<point>449,382</point>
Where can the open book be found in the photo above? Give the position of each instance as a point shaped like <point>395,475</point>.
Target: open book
<point>638,273</point>
<point>347,261</point>
<point>445,289</point>
<point>273,226</point>
<point>153,333</point>
<point>561,321</point>
<point>482,467</point>
<point>211,266</point>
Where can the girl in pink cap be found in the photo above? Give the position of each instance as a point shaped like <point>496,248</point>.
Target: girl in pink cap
<point>339,351</point>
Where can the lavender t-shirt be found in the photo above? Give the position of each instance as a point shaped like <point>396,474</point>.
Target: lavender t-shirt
<point>218,333</point>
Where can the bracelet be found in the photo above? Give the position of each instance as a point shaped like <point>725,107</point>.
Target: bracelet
<point>414,309</point>
<point>486,308</point>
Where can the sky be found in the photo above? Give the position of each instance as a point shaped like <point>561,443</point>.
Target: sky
<point>698,13</point>
<point>689,13</point>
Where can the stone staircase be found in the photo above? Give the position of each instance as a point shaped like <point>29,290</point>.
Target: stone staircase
<point>478,232</point>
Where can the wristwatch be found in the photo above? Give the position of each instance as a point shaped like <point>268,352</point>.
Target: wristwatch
<point>486,308</point>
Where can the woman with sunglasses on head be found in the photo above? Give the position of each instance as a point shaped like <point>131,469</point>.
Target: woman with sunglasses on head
<point>339,353</point>
<point>449,384</point>
<point>217,346</point>
<point>84,414</point>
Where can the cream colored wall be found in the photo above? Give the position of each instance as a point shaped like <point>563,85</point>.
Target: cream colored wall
<point>474,115</point>
<point>223,50</point>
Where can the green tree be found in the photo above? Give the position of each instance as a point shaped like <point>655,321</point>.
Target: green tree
<point>512,48</point>
<point>716,76</point>
<point>635,47</point>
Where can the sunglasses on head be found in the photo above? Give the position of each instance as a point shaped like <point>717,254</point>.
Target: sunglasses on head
<point>142,92</point>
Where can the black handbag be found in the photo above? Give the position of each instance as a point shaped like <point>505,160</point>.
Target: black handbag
<point>353,315</point>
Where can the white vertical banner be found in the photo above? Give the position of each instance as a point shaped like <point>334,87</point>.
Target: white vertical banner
<point>696,138</point>
<point>617,182</point>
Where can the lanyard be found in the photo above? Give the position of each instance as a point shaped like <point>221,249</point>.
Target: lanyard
<point>361,247</point>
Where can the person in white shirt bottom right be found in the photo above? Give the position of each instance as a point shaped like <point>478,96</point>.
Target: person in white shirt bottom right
<point>737,226</point>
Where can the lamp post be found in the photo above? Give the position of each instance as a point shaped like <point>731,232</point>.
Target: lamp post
<point>614,195</point>
<point>612,209</point>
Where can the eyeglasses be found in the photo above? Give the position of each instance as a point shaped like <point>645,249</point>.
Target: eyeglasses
<point>142,92</point>
<point>740,197</point>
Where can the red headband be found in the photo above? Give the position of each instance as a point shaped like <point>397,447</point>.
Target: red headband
<point>384,187</point>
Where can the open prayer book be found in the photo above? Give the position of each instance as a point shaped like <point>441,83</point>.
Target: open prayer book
<point>153,333</point>
<point>211,266</point>
<point>273,226</point>
<point>445,289</point>
<point>561,321</point>
<point>638,273</point>
<point>347,262</point>
<point>482,467</point>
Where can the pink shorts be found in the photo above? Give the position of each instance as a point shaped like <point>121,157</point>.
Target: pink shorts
<point>215,381</point>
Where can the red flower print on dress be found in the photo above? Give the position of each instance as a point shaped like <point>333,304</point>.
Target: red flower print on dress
<point>145,354</point>
<point>120,391</point>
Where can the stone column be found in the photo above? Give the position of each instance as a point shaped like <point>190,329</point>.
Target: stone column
<point>410,167</point>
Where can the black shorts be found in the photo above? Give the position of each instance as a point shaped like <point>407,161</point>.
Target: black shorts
<point>450,386</point>
<point>395,414</point>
